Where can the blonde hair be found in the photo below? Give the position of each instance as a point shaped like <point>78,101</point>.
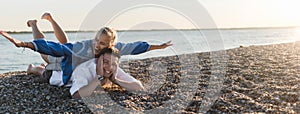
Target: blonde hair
<point>110,32</point>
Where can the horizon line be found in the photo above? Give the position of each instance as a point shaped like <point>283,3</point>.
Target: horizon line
<point>233,28</point>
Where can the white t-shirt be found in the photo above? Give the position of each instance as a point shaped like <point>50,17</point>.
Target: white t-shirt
<point>86,72</point>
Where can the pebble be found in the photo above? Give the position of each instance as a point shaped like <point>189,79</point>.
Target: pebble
<point>248,87</point>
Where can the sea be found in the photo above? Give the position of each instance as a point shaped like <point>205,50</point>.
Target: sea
<point>184,42</point>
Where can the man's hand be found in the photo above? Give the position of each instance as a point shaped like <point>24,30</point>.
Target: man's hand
<point>112,78</point>
<point>104,81</point>
<point>99,67</point>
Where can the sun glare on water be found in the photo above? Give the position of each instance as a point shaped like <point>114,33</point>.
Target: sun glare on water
<point>297,32</point>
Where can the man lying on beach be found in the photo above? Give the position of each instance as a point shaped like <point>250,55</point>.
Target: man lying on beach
<point>99,71</point>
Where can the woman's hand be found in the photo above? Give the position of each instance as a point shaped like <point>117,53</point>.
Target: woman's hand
<point>17,43</point>
<point>161,46</point>
<point>167,44</point>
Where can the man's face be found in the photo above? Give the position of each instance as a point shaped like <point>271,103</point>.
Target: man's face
<point>102,42</point>
<point>110,64</point>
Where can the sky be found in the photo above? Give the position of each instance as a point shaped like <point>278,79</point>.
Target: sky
<point>89,15</point>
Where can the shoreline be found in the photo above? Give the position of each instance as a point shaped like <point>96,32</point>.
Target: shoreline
<point>257,79</point>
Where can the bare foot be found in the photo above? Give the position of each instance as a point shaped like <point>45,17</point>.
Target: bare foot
<point>43,65</point>
<point>29,69</point>
<point>47,16</point>
<point>31,22</point>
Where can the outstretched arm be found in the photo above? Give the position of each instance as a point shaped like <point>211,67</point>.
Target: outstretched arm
<point>162,46</point>
<point>138,47</point>
<point>17,43</point>
<point>42,46</point>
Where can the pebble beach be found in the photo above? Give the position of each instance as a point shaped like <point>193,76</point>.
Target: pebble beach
<point>254,79</point>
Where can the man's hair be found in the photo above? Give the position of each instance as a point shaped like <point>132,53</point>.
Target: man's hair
<point>110,32</point>
<point>113,51</point>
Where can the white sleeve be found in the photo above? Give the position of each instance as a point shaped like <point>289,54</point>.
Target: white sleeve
<point>128,82</point>
<point>79,78</point>
<point>125,77</point>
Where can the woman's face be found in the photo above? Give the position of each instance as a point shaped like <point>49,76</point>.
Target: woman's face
<point>102,42</point>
